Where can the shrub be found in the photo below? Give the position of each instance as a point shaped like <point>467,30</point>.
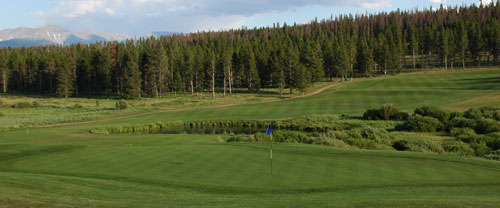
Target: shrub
<point>362,143</point>
<point>96,103</point>
<point>401,116</point>
<point>426,145</point>
<point>36,103</point>
<point>325,140</point>
<point>401,145</point>
<point>480,148</point>
<point>483,112</point>
<point>458,147</point>
<point>456,132</point>
<point>339,135</point>
<point>121,105</point>
<point>22,105</point>
<point>473,113</point>
<point>460,122</point>
<point>376,134</point>
<point>237,139</point>
<point>486,126</point>
<point>386,112</point>
<point>372,114</point>
<point>456,114</point>
<point>435,112</point>
<point>493,155</point>
<point>493,141</point>
<point>423,124</point>
<point>354,133</point>
<point>291,136</point>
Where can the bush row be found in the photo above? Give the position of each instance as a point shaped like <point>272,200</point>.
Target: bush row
<point>363,138</point>
<point>386,112</point>
<point>293,124</point>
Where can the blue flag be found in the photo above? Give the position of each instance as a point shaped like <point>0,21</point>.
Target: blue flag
<point>269,130</point>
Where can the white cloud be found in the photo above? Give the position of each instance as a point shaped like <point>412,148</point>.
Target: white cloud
<point>179,15</point>
<point>377,4</point>
<point>486,2</point>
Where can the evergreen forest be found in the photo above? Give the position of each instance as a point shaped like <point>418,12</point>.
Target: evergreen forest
<point>288,57</point>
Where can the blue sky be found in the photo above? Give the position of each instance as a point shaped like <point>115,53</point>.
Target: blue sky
<point>140,17</point>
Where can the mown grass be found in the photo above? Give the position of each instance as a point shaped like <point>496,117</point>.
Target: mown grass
<point>407,92</point>
<point>69,167</point>
<point>192,170</point>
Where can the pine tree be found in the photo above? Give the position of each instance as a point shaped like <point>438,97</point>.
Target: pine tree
<point>227,58</point>
<point>302,78</point>
<point>392,54</point>
<point>329,59</point>
<point>64,75</point>
<point>311,58</point>
<point>163,69</point>
<point>131,74</point>
<point>251,72</point>
<point>291,58</point>
<point>413,45</point>
<point>443,46</point>
<point>382,52</point>
<point>462,42</point>
<point>277,65</point>
<point>341,56</point>
<point>475,45</point>
<point>364,59</point>
<point>210,59</point>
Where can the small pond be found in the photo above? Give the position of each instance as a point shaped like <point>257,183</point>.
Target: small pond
<point>209,131</point>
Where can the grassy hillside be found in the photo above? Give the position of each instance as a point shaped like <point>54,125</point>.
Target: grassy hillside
<point>67,166</point>
<point>458,91</point>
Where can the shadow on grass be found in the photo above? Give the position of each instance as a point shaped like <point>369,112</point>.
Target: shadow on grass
<point>485,83</point>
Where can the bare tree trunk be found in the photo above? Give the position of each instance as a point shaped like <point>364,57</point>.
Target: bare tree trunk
<point>463,62</point>
<point>213,82</point>
<point>75,82</point>
<point>445,63</point>
<point>430,60</point>
<point>414,60</point>
<point>224,95</point>
<point>4,81</point>
<point>385,67</point>
<point>281,90</point>
<point>161,83</point>
<point>230,81</point>
<point>192,86</point>
<point>290,77</point>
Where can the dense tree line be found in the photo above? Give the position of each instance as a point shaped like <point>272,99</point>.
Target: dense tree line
<point>282,56</point>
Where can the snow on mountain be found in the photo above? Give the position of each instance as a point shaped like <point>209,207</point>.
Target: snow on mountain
<point>52,34</point>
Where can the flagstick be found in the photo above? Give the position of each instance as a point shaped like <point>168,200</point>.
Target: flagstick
<point>271,153</point>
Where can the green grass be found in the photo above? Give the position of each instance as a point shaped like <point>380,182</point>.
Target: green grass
<point>60,110</point>
<point>192,170</point>
<point>69,167</point>
<point>455,91</point>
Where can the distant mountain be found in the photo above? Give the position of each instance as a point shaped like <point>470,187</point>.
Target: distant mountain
<point>51,35</point>
<point>163,33</point>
